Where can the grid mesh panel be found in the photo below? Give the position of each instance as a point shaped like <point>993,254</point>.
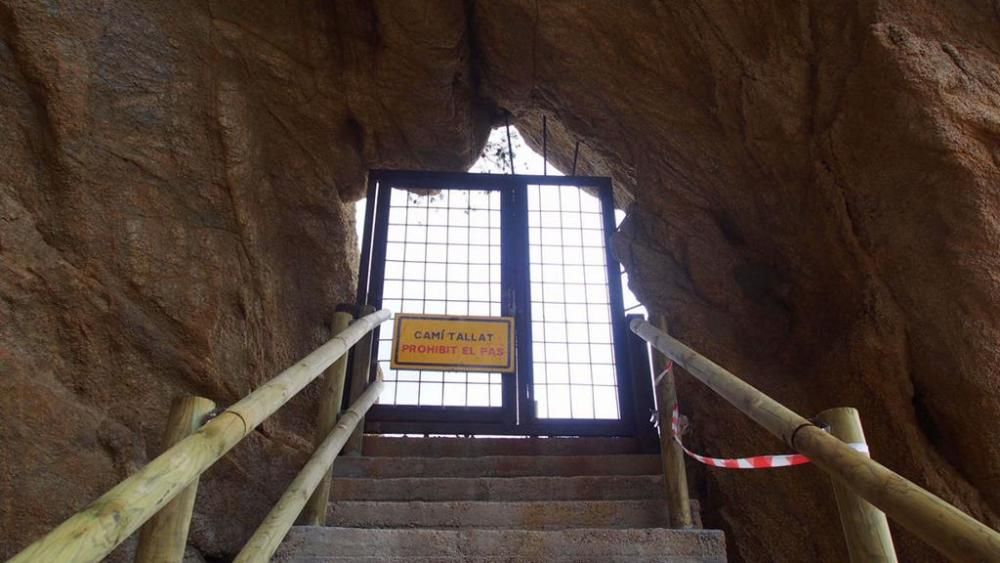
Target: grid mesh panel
<point>442,257</point>
<point>574,363</point>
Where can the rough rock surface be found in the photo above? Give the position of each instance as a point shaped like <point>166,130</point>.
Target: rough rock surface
<point>176,217</point>
<point>812,195</point>
<point>815,207</point>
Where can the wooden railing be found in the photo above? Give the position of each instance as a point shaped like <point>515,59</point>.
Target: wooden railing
<point>169,482</point>
<point>163,492</point>
<point>946,528</point>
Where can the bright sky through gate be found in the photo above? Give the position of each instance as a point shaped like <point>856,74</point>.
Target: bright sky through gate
<point>526,161</point>
<point>443,257</point>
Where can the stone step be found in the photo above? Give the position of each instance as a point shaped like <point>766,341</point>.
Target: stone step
<point>496,466</point>
<point>327,545</point>
<point>386,446</point>
<point>605,487</point>
<point>531,515</point>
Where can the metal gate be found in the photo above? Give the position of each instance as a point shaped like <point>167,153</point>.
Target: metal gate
<point>530,247</point>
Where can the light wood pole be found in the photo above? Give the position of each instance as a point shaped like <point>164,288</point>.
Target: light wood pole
<point>865,527</point>
<point>949,530</point>
<point>92,533</point>
<point>330,399</point>
<point>274,528</point>
<point>164,537</point>
<point>674,472</point>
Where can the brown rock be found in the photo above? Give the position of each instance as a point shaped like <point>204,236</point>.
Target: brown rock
<point>814,207</point>
<point>176,217</point>
<point>811,191</point>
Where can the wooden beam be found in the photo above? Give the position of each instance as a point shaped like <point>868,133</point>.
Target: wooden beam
<point>331,397</point>
<point>674,472</point>
<point>280,519</point>
<point>92,533</point>
<point>949,530</point>
<point>865,527</point>
<point>164,537</point>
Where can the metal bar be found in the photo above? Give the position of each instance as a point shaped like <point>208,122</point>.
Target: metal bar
<point>414,413</point>
<point>643,392</point>
<point>528,406</point>
<point>279,520</point>
<point>516,283</point>
<point>93,532</point>
<point>545,146</point>
<point>510,146</point>
<point>866,529</point>
<point>380,233</point>
<point>619,329</point>
<point>164,537</point>
<point>331,397</point>
<point>946,528</point>
<point>364,270</point>
<point>551,427</point>
<point>362,364</point>
<point>471,180</point>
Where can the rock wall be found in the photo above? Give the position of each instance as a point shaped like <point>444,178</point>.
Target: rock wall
<point>811,187</point>
<point>812,196</point>
<point>176,217</point>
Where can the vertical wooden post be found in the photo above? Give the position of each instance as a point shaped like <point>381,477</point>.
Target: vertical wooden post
<point>164,537</point>
<point>361,361</point>
<point>865,527</point>
<point>674,473</point>
<point>952,532</point>
<point>330,400</point>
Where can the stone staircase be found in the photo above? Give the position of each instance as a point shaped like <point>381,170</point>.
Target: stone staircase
<point>499,499</point>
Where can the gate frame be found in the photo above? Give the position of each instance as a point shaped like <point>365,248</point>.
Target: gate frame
<point>515,301</point>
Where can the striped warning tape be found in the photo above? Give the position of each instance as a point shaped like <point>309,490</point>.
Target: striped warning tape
<point>753,462</point>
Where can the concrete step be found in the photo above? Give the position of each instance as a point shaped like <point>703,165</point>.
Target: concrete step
<point>496,466</point>
<point>327,545</point>
<point>386,446</point>
<point>605,487</point>
<point>530,515</point>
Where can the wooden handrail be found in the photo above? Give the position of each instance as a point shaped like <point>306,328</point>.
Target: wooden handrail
<point>946,528</point>
<point>164,536</point>
<point>331,397</point>
<point>276,524</point>
<point>93,532</point>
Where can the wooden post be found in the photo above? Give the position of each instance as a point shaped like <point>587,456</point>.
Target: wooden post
<point>674,472</point>
<point>865,527</point>
<point>361,363</point>
<point>331,398</point>
<point>92,533</point>
<point>946,528</point>
<point>279,520</point>
<point>164,537</point>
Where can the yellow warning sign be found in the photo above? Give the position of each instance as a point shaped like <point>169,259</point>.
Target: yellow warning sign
<point>453,343</point>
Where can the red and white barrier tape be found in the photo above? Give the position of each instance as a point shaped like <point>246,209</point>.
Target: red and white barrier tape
<point>753,462</point>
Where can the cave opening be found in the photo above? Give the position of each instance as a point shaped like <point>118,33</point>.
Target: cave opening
<point>494,159</point>
<point>443,257</point>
